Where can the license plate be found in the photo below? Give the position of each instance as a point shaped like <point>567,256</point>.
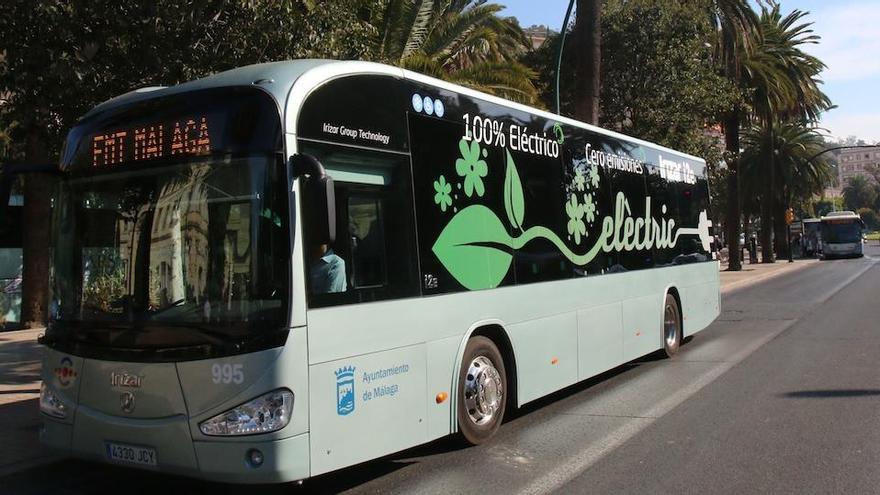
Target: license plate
<point>131,454</point>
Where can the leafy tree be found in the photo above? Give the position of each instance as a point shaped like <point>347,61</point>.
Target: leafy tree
<point>859,192</point>
<point>542,61</point>
<point>826,205</point>
<point>62,57</point>
<point>667,92</point>
<point>870,217</point>
<point>800,175</point>
<point>664,92</point>
<point>463,41</point>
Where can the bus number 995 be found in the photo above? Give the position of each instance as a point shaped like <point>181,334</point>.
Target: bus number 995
<point>227,373</point>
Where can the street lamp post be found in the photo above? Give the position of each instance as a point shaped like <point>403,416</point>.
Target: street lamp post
<point>559,53</point>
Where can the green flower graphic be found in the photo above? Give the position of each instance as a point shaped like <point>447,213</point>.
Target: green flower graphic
<point>594,176</point>
<point>442,197</point>
<point>579,180</point>
<point>471,167</point>
<point>589,208</point>
<point>576,226</point>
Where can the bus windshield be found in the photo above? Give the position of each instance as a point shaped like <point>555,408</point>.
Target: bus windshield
<point>186,254</point>
<point>841,232</point>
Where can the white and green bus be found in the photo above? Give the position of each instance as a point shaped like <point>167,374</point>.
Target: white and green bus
<point>290,268</point>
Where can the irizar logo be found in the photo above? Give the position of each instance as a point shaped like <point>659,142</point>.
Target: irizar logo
<point>345,390</point>
<point>125,379</point>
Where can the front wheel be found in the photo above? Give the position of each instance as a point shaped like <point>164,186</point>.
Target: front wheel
<point>671,326</point>
<point>482,391</point>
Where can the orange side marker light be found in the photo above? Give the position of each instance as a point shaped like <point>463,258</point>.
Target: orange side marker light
<point>441,397</point>
<point>554,360</point>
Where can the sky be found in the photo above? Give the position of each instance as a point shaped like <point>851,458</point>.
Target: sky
<point>850,47</point>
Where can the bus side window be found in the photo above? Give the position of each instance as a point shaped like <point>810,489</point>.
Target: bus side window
<point>375,228</point>
<point>367,242</point>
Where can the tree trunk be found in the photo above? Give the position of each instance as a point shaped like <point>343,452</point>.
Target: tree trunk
<point>780,228</point>
<point>588,60</point>
<point>35,238</point>
<point>768,203</point>
<point>731,143</point>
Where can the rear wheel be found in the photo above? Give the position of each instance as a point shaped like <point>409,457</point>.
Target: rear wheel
<point>482,391</point>
<point>671,326</point>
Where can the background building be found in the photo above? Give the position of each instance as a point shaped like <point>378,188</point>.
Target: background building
<point>538,35</point>
<point>853,162</point>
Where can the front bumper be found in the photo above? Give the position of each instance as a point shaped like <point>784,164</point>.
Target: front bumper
<point>285,459</point>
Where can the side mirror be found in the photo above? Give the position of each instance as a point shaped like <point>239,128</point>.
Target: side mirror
<point>318,199</point>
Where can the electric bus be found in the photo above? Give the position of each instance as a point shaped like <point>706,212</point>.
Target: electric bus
<point>289,268</point>
<point>842,234</point>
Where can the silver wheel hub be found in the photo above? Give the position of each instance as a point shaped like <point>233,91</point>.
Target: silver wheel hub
<point>670,326</point>
<point>483,390</point>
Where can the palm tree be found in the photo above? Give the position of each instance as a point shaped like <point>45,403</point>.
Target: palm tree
<point>736,25</point>
<point>463,41</point>
<point>784,84</point>
<point>800,176</point>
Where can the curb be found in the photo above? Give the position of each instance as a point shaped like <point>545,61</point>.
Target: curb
<point>22,332</point>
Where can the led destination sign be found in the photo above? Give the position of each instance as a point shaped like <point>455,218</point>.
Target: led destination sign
<point>188,136</point>
<point>235,121</point>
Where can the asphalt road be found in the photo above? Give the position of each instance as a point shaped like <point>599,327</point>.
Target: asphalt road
<point>779,395</point>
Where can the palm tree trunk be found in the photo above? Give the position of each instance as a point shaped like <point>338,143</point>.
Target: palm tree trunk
<point>768,203</point>
<point>731,142</point>
<point>35,238</point>
<point>588,60</point>
<point>781,232</point>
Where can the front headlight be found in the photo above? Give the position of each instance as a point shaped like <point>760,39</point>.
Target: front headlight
<point>51,404</point>
<point>266,413</point>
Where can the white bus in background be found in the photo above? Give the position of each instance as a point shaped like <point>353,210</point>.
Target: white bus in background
<point>841,233</point>
<point>811,237</point>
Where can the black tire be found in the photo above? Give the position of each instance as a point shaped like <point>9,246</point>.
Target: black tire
<point>671,326</point>
<point>482,391</point>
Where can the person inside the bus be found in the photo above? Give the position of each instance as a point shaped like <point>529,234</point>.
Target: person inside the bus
<point>327,271</point>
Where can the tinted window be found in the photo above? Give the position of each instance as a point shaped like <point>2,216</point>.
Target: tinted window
<point>692,198</point>
<point>458,214</point>
<point>366,233</point>
<point>595,191</point>
<point>632,185</point>
<point>664,204</point>
<point>375,231</point>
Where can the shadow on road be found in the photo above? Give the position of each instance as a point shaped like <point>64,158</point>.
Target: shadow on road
<point>832,394</point>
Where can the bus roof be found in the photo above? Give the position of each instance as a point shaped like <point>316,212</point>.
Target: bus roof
<point>292,80</point>
<point>841,215</point>
<point>845,213</point>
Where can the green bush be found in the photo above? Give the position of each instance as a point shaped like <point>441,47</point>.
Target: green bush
<point>870,217</point>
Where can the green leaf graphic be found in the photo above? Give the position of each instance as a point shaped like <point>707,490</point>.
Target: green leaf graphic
<point>469,248</point>
<point>513,195</point>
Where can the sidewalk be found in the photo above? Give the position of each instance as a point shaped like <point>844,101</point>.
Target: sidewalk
<point>20,377</point>
<point>758,272</point>
<point>19,396</point>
